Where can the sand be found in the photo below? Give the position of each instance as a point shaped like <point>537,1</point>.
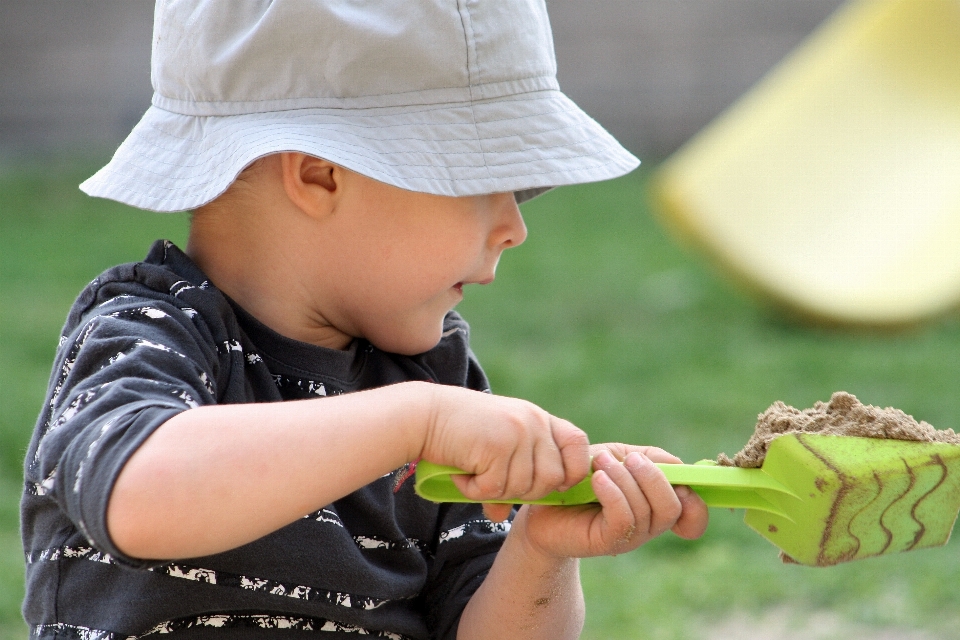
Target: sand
<point>843,415</point>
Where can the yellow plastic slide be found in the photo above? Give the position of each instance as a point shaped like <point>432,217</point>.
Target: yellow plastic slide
<point>833,186</point>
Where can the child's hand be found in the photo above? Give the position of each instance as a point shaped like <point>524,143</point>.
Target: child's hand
<point>637,504</point>
<point>512,448</point>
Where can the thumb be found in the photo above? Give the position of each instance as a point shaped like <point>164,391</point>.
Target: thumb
<point>496,512</point>
<point>574,446</point>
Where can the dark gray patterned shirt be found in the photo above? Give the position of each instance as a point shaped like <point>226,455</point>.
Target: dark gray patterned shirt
<point>148,340</point>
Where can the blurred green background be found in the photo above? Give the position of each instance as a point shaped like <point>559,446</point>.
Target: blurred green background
<point>602,319</point>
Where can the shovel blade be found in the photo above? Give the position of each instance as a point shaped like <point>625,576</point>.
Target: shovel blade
<point>859,497</point>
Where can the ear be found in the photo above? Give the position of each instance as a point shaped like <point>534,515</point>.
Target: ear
<point>312,184</point>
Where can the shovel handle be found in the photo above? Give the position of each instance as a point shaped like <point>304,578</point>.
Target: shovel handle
<point>729,487</point>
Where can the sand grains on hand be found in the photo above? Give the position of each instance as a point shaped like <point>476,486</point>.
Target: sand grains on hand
<point>844,415</point>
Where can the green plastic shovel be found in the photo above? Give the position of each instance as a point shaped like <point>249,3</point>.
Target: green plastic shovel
<point>820,499</point>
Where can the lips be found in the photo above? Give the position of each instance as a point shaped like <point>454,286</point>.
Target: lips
<point>459,285</point>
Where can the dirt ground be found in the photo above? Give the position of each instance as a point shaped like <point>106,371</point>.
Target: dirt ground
<point>785,624</point>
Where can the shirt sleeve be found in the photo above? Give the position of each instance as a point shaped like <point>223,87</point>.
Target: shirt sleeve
<point>129,365</point>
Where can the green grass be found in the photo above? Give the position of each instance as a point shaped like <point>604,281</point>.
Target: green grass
<point>53,241</point>
<point>601,319</point>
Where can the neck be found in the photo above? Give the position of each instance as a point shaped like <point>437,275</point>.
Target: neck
<point>256,259</point>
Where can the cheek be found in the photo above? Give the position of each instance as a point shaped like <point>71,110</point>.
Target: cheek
<point>387,293</point>
<point>438,260</point>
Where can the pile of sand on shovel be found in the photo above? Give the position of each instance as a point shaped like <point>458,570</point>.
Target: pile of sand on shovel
<point>844,415</point>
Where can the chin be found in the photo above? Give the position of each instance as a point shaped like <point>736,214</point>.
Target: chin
<point>410,344</point>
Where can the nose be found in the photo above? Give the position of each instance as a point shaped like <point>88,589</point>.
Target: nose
<point>510,230</point>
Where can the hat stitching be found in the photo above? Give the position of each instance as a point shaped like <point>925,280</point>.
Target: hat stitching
<point>346,147</point>
<point>352,150</point>
<point>567,109</point>
<point>181,184</point>
<point>224,139</point>
<point>205,196</point>
<point>335,124</point>
<point>469,41</point>
<point>408,178</point>
<point>476,129</point>
<point>213,143</point>
<point>224,134</point>
<point>473,70</point>
<point>481,88</point>
<point>205,191</point>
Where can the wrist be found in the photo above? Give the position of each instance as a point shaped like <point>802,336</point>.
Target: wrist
<point>527,546</point>
<point>418,413</point>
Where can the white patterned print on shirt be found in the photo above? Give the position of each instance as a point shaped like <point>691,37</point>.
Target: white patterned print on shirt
<point>302,385</point>
<point>483,525</point>
<point>223,578</point>
<point>326,516</point>
<point>62,631</point>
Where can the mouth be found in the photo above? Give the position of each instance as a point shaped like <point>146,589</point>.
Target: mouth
<point>459,285</point>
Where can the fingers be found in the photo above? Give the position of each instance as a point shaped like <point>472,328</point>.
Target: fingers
<point>656,454</point>
<point>496,512</point>
<point>665,507</point>
<point>651,502</point>
<point>620,451</point>
<point>619,521</point>
<point>574,447</point>
<point>479,487</point>
<point>558,459</point>
<point>513,448</point>
<point>694,516</point>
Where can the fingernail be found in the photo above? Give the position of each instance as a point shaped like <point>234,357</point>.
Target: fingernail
<point>682,492</point>
<point>604,458</point>
<point>633,460</point>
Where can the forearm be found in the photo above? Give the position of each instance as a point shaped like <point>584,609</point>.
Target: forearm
<point>216,477</point>
<point>527,595</point>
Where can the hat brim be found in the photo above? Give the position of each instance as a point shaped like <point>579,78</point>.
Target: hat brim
<point>525,143</point>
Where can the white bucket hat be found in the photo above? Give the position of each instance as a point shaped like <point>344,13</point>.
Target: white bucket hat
<point>450,97</point>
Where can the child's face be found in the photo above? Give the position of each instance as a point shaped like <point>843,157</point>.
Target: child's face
<point>400,259</point>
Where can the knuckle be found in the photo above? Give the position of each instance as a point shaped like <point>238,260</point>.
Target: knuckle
<point>489,487</point>
<point>676,510</point>
<point>647,471</point>
<point>555,477</point>
<point>500,448</point>
<point>672,516</point>
<point>547,482</point>
<point>570,433</point>
<point>523,423</point>
<point>520,486</point>
<point>667,517</point>
<point>578,442</point>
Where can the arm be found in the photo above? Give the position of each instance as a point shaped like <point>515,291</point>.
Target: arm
<point>533,589</point>
<point>527,594</point>
<point>216,477</point>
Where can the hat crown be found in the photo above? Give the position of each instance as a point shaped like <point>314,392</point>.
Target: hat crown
<point>222,57</point>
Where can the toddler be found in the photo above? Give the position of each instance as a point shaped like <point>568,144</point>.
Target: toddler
<point>230,429</point>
